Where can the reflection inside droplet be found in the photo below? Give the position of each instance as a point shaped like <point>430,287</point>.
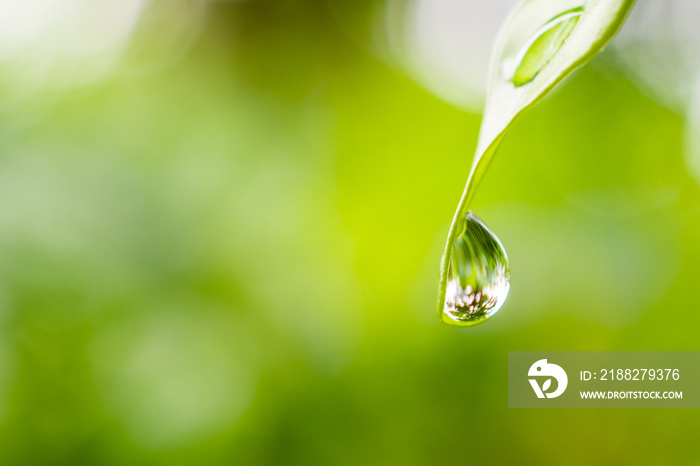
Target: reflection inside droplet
<point>478,277</point>
<point>540,47</point>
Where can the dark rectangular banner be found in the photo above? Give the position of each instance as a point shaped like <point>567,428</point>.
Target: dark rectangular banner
<point>604,379</point>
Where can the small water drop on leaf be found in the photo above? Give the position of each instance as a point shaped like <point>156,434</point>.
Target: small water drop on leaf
<point>478,277</point>
<point>540,48</point>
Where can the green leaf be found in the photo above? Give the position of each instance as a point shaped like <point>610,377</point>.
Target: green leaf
<point>540,44</point>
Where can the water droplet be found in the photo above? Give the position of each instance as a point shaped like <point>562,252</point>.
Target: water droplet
<point>478,277</point>
<point>540,47</point>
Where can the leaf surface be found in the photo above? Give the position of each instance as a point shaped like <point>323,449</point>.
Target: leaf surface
<point>540,44</point>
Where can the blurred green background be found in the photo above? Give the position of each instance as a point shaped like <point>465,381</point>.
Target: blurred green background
<point>221,225</point>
